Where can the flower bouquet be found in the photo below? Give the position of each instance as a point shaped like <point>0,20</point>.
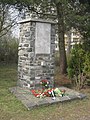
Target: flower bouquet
<point>44,83</point>
<point>47,92</point>
<point>42,93</point>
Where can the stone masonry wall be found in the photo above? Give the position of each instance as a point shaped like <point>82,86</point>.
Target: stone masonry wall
<point>34,67</point>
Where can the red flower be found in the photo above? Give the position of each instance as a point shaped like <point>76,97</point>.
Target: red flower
<point>36,93</point>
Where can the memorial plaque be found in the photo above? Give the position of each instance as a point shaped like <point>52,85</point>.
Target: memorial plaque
<point>43,37</point>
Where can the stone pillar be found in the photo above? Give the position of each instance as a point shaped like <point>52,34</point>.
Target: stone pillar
<point>36,52</point>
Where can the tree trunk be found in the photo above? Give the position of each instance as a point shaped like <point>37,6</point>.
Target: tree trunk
<point>63,61</point>
<point>69,43</point>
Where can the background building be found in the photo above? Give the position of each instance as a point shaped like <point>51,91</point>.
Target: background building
<point>71,38</point>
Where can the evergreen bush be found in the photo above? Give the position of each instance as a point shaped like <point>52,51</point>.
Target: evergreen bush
<point>79,66</point>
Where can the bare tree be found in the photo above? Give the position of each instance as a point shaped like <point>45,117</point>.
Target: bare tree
<point>6,21</point>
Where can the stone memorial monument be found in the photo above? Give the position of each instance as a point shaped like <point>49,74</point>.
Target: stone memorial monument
<point>36,52</point>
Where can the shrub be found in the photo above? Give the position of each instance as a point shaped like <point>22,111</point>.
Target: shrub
<point>79,66</point>
<point>8,50</point>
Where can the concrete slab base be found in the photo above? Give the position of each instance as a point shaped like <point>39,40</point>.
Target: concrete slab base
<point>30,101</point>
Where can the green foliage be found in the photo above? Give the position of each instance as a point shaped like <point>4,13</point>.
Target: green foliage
<point>76,60</point>
<point>87,63</point>
<point>8,50</point>
<point>79,66</point>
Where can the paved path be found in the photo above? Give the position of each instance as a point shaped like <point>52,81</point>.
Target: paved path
<point>30,101</point>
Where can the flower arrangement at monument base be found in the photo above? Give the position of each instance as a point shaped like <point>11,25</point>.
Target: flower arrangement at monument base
<point>46,91</point>
<point>41,93</point>
<point>54,92</point>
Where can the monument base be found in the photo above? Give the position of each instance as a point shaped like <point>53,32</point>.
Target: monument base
<point>30,101</point>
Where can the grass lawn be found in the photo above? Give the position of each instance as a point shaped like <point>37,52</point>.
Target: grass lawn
<point>12,109</point>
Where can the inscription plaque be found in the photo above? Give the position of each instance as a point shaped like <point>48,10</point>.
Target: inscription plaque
<point>42,41</point>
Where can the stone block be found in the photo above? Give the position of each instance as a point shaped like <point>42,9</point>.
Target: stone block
<point>32,43</point>
<point>27,34</point>
<point>32,78</point>
<point>26,55</point>
<point>26,45</point>
<point>81,96</point>
<point>72,97</point>
<point>29,49</point>
<point>42,102</point>
<point>30,105</point>
<point>64,98</point>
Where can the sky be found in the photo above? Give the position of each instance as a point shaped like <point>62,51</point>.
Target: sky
<point>14,15</point>
<point>15,31</point>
